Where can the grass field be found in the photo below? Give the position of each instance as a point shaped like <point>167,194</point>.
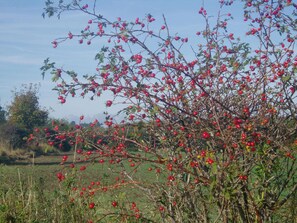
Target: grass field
<point>30,192</point>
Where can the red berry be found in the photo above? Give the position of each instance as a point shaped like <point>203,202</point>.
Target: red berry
<point>114,203</point>
<point>210,161</point>
<point>82,168</point>
<point>92,205</point>
<point>205,135</point>
<point>108,103</point>
<point>161,208</point>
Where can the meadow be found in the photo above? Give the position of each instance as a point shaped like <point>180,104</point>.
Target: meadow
<point>31,192</point>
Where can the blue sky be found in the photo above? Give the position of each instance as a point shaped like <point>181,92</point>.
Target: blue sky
<point>25,41</point>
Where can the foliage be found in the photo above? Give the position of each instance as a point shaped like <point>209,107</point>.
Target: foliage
<point>217,126</point>
<point>23,114</point>
<point>25,111</point>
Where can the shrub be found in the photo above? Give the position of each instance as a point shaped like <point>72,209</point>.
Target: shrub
<point>217,123</point>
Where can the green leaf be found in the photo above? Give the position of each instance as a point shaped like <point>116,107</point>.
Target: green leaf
<point>227,195</point>
<point>214,169</point>
<point>47,66</point>
<point>55,78</point>
<point>286,78</point>
<point>122,196</point>
<point>100,57</point>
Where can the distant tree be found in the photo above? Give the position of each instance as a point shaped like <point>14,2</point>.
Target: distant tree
<point>2,115</point>
<point>25,111</point>
<point>12,136</point>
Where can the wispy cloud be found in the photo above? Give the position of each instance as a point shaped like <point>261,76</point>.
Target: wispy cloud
<point>21,60</point>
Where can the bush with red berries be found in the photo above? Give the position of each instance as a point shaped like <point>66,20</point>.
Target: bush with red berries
<point>218,126</point>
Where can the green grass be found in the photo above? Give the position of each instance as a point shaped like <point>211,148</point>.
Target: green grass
<point>31,192</point>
